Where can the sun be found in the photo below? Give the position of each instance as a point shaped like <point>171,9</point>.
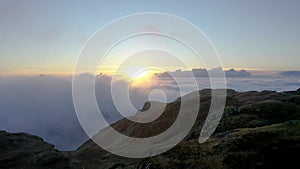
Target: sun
<point>136,72</point>
<point>139,76</point>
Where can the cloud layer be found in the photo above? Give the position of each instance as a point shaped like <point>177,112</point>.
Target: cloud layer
<point>42,105</point>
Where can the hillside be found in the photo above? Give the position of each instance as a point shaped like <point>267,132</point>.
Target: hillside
<point>258,130</point>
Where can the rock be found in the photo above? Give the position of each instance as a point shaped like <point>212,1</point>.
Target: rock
<point>75,161</point>
<point>20,150</point>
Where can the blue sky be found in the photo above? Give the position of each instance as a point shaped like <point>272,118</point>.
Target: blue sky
<point>46,36</point>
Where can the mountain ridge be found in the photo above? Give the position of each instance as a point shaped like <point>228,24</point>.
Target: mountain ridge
<point>257,130</point>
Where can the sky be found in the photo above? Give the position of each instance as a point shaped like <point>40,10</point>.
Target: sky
<point>45,37</point>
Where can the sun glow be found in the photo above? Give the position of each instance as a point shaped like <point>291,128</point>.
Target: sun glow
<point>143,74</point>
<point>139,76</point>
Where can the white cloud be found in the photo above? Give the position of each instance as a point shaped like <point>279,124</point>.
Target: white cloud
<point>42,105</point>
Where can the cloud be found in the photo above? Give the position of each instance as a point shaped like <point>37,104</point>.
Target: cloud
<point>42,105</point>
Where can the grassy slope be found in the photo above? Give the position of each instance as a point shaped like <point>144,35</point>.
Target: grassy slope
<point>257,130</point>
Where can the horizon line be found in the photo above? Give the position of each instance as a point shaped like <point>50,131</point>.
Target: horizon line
<point>71,73</point>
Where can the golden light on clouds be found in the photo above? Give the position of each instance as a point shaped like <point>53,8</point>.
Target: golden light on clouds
<point>138,76</point>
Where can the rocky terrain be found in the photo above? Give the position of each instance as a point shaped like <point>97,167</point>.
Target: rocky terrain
<point>258,130</point>
<point>24,151</point>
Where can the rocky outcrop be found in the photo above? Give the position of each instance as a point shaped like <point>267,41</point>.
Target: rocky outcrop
<point>24,151</point>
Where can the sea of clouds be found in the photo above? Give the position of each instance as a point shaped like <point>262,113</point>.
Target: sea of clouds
<point>43,105</point>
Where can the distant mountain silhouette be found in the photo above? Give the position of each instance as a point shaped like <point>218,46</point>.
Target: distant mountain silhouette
<point>217,72</point>
<point>291,73</point>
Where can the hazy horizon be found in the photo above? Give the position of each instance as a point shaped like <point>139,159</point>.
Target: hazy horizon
<point>42,105</point>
